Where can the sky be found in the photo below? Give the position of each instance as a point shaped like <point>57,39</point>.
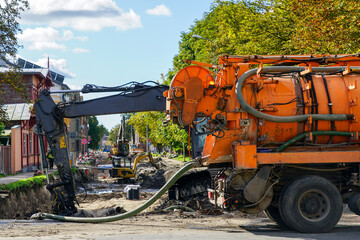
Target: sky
<point>106,42</point>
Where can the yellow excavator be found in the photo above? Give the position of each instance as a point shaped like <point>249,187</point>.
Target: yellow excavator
<point>125,167</point>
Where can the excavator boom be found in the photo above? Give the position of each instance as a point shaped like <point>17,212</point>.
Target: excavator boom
<point>136,97</point>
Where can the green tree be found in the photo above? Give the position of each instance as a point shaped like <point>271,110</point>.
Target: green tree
<point>96,132</point>
<point>9,14</point>
<point>114,133</point>
<point>2,126</point>
<point>266,27</point>
<point>152,123</point>
<point>9,27</point>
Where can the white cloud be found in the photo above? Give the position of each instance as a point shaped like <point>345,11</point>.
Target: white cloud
<point>83,15</point>
<point>80,50</point>
<point>68,35</point>
<point>41,39</point>
<point>46,38</point>
<point>56,65</point>
<point>160,10</point>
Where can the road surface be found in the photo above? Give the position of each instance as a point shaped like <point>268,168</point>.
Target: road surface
<point>173,225</point>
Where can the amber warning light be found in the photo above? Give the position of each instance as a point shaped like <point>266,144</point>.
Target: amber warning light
<point>212,84</point>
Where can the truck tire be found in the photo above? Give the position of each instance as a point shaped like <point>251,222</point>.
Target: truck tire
<point>311,204</point>
<point>273,213</point>
<point>354,203</point>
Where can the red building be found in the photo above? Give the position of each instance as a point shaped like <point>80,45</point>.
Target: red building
<point>25,152</point>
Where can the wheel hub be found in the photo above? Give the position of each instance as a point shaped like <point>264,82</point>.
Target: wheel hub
<point>314,205</point>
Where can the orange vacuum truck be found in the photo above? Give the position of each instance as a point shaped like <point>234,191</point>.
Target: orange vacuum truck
<point>278,134</point>
<point>281,134</point>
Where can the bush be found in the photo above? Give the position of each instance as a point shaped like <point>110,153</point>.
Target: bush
<point>37,181</point>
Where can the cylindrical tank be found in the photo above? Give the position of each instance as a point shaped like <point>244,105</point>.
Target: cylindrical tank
<point>291,95</point>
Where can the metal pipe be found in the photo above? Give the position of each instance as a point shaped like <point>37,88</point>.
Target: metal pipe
<point>286,119</point>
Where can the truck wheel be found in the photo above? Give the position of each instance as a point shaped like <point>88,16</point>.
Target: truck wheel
<point>273,213</point>
<point>311,204</point>
<point>354,203</point>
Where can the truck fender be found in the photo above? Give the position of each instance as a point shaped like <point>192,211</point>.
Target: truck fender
<point>256,187</point>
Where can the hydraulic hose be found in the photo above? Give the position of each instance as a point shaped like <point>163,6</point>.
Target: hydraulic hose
<point>173,179</point>
<point>286,119</point>
<point>317,133</point>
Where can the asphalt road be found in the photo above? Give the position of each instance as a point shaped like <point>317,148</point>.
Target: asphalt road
<point>144,228</point>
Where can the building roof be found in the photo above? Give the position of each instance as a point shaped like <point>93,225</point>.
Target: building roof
<point>6,63</point>
<point>29,65</point>
<point>55,77</point>
<point>18,111</point>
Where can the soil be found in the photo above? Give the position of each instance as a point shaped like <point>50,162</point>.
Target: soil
<point>104,195</point>
<point>23,203</point>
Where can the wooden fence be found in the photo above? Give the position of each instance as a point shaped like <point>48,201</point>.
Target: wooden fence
<point>5,159</point>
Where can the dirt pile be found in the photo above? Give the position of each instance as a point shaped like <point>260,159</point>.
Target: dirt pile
<point>22,204</point>
<point>149,177</point>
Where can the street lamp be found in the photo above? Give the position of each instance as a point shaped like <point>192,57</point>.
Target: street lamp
<point>212,42</point>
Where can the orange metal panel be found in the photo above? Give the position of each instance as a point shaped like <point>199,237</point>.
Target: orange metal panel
<point>244,156</point>
<point>308,157</point>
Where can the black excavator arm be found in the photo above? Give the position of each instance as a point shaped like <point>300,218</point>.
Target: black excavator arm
<point>133,97</point>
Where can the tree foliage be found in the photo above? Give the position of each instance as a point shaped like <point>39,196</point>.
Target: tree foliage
<point>9,14</point>
<point>2,126</point>
<point>266,27</point>
<point>96,132</point>
<point>261,27</point>
<point>13,79</point>
<point>152,122</point>
<point>113,135</point>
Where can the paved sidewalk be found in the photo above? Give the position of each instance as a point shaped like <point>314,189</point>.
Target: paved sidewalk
<point>17,177</point>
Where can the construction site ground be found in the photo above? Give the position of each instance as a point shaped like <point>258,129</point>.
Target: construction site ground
<point>105,196</point>
<point>173,225</point>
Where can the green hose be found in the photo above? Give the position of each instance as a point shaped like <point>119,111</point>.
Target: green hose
<point>286,119</point>
<point>174,178</point>
<point>316,133</point>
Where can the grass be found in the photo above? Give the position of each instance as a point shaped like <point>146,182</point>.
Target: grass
<point>2,175</point>
<point>181,158</point>
<point>24,183</point>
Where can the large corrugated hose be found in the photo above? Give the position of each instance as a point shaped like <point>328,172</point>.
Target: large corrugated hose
<point>286,119</point>
<point>122,216</point>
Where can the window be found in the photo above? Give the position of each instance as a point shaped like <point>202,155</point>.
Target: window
<point>24,144</point>
<point>31,143</point>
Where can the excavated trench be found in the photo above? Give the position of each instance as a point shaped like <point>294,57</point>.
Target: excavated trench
<point>23,203</point>
<point>97,196</point>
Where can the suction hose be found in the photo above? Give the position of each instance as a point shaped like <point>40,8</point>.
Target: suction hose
<point>174,178</point>
<point>286,119</point>
<point>317,133</point>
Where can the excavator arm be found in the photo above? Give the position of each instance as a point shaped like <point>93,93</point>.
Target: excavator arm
<point>134,97</point>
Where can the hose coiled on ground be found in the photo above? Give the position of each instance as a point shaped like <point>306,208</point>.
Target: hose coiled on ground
<point>122,216</point>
